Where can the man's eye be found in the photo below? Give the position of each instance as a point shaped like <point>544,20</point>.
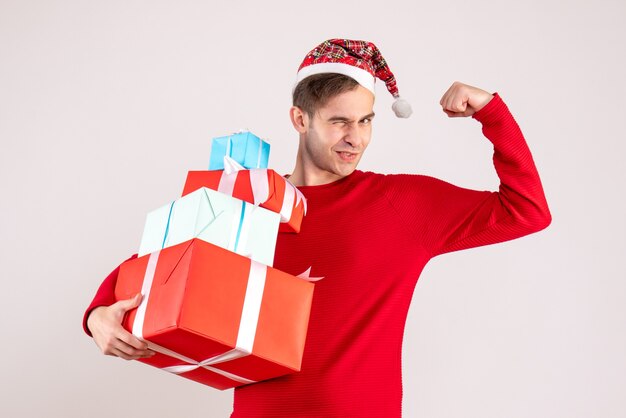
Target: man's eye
<point>366,121</point>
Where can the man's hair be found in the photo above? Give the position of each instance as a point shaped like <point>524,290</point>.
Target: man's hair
<point>316,90</point>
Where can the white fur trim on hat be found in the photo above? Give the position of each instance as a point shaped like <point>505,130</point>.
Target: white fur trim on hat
<point>362,77</point>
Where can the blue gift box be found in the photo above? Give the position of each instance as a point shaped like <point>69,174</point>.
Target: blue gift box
<point>244,147</point>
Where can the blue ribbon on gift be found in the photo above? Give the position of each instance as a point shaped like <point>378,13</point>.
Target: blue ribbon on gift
<point>167,227</point>
<point>243,212</point>
<point>239,227</point>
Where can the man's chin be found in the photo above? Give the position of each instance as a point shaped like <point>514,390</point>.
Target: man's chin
<point>346,170</point>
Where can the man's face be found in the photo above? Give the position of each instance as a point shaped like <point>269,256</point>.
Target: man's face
<point>336,137</point>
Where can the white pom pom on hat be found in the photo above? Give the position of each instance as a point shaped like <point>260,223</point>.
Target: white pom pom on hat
<point>402,108</point>
<point>360,60</point>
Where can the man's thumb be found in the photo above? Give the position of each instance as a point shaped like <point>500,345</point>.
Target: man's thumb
<point>128,304</point>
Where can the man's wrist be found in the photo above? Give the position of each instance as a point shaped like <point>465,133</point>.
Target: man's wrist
<point>88,317</point>
<point>493,109</point>
<point>483,101</point>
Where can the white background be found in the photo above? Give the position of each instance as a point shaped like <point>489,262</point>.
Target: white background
<point>104,106</point>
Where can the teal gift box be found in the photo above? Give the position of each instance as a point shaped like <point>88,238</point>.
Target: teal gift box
<point>244,147</point>
<point>214,217</point>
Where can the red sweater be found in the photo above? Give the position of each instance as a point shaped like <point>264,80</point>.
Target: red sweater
<point>370,235</point>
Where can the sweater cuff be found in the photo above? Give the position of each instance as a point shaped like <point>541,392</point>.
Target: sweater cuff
<point>492,112</point>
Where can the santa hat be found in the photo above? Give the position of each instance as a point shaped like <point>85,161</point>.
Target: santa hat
<point>360,60</point>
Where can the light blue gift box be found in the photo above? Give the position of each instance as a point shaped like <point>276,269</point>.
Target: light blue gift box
<point>244,147</point>
<point>222,220</point>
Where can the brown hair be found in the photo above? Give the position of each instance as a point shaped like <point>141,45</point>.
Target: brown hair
<point>316,90</point>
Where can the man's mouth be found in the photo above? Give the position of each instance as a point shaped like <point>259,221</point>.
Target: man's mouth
<point>347,156</point>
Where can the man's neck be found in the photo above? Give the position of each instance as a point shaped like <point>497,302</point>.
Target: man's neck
<point>306,173</point>
<point>301,177</point>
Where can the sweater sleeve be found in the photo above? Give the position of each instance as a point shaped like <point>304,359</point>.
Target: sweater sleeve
<point>105,296</point>
<point>447,218</point>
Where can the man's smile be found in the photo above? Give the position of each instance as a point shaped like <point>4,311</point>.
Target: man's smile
<point>347,156</point>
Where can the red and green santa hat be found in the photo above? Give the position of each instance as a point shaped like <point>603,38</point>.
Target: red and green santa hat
<point>360,60</point>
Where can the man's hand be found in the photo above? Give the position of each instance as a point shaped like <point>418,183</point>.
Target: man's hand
<point>462,100</point>
<point>104,322</point>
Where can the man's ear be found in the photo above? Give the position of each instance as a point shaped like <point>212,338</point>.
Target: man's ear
<point>299,119</point>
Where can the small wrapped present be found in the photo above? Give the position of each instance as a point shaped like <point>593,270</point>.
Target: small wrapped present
<point>244,147</point>
<point>214,217</point>
<point>214,316</point>
<point>263,187</point>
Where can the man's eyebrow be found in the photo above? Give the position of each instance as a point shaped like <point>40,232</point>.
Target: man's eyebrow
<point>345,119</point>
<point>338,119</point>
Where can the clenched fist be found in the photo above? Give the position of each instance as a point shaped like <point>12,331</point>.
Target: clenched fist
<point>462,100</point>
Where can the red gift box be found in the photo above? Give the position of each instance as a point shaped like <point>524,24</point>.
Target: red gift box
<point>262,187</point>
<point>214,316</point>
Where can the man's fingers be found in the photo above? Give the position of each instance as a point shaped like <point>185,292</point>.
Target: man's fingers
<point>462,100</point>
<point>109,335</point>
<point>118,353</point>
<point>121,339</point>
<point>127,352</point>
<point>452,114</point>
<point>128,304</point>
<point>448,94</point>
<point>121,354</point>
<point>456,102</point>
<point>131,340</point>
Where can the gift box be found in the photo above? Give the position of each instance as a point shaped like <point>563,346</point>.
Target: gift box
<point>214,217</point>
<point>245,148</point>
<point>263,187</point>
<point>214,316</point>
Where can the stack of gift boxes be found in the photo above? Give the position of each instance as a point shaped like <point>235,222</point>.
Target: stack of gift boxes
<point>213,309</point>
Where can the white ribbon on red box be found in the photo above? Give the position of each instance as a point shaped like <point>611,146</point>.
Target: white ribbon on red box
<point>247,325</point>
<point>259,180</point>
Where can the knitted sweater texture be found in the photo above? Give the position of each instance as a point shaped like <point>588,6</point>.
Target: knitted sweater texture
<point>369,236</point>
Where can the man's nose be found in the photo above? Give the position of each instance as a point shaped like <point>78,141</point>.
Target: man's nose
<point>353,136</point>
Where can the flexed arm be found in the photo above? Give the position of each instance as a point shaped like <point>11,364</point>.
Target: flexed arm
<point>443,217</point>
<point>519,206</point>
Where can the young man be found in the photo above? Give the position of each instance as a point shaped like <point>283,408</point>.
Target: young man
<point>369,235</point>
